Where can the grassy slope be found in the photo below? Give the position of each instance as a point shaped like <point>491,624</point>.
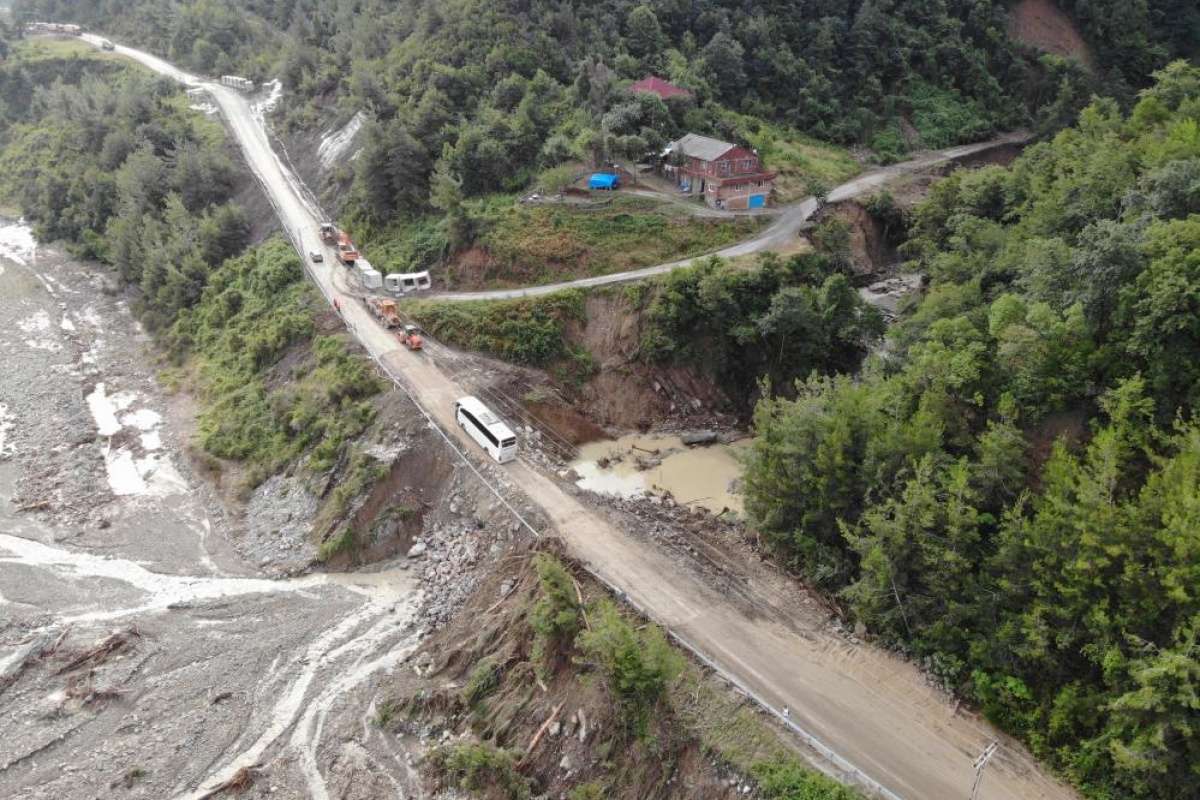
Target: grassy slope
<point>800,160</point>
<point>544,243</point>
<point>44,48</point>
<point>518,245</point>
<point>529,331</point>
<point>273,388</point>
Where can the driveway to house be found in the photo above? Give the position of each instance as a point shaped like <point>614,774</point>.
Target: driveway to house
<point>869,717</point>
<point>779,234</point>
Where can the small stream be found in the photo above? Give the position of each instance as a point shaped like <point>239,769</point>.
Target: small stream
<point>655,465</point>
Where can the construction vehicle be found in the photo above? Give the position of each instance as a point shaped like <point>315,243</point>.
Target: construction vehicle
<point>410,337</point>
<point>347,253</point>
<point>384,311</point>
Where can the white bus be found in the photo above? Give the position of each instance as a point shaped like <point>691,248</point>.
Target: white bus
<point>486,429</point>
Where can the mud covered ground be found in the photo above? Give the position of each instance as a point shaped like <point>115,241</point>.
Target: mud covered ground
<point>150,645</point>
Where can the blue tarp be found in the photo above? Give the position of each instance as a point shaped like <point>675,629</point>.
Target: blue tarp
<point>602,180</point>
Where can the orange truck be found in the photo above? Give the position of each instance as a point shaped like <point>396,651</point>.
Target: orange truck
<point>384,311</point>
<point>410,337</point>
<point>347,253</point>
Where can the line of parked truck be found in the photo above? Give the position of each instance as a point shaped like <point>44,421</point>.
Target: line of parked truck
<point>382,308</point>
<point>397,283</point>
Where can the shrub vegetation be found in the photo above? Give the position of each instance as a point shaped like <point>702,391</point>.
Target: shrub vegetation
<point>1012,495</point>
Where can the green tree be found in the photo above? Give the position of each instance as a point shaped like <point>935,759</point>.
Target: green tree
<point>445,189</point>
<point>1164,311</point>
<point>643,34</point>
<point>638,665</point>
<point>555,617</point>
<point>724,70</point>
<point>917,555</point>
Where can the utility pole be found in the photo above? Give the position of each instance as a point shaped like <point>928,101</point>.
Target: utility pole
<point>980,763</point>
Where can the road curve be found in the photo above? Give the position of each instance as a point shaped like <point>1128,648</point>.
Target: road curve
<point>872,715</point>
<point>783,231</point>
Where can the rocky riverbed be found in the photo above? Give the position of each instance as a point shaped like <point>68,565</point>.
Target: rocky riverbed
<point>156,641</point>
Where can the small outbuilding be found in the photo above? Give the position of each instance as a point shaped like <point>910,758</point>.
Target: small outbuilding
<point>604,180</point>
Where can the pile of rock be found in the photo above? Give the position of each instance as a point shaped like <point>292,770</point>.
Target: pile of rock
<point>471,529</point>
<point>278,522</point>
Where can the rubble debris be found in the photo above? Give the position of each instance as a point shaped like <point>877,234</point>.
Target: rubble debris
<point>102,650</point>
<point>699,437</point>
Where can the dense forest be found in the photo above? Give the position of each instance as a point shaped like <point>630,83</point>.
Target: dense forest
<point>1013,492</point>
<point>112,161</point>
<point>749,328</point>
<point>470,96</point>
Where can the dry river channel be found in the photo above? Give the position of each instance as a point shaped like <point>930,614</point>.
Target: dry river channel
<point>140,654</point>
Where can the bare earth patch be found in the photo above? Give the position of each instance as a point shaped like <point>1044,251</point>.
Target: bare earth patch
<point>1043,26</point>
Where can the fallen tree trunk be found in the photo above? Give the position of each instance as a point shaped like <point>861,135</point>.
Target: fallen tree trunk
<point>537,737</point>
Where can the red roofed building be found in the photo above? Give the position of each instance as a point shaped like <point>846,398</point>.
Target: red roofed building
<point>658,86</point>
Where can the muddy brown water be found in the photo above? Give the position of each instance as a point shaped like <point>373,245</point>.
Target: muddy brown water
<point>660,464</point>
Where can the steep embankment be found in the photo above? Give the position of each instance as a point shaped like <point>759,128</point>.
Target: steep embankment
<point>863,233</point>
<point>1043,26</point>
<point>541,686</point>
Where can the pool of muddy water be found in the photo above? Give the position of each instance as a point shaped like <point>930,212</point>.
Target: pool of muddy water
<point>658,464</point>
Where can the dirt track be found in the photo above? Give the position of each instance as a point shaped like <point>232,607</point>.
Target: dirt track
<point>874,711</point>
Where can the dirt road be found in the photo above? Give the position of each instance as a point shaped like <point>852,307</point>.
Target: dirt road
<point>874,714</point>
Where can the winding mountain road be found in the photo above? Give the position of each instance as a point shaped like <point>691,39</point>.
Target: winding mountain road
<point>870,717</point>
